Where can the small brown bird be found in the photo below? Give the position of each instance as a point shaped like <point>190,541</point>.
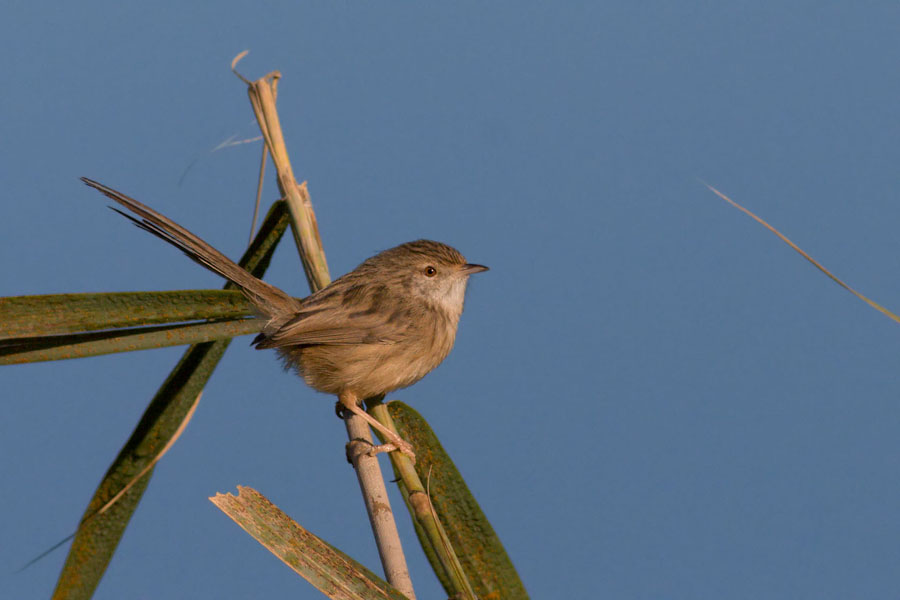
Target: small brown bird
<point>380,327</point>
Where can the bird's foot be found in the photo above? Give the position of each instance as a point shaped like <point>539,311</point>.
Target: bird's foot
<point>398,444</point>
<point>341,411</point>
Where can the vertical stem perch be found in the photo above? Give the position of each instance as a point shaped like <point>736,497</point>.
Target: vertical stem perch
<point>309,244</point>
<point>378,506</point>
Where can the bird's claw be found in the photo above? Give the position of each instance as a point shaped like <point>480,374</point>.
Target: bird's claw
<point>398,445</point>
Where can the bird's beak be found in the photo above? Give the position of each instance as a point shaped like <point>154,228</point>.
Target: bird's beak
<point>469,269</point>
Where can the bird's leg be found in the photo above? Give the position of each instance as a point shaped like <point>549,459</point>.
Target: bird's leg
<point>395,442</point>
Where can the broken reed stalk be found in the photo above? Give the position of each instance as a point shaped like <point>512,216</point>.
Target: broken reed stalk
<point>262,94</point>
<point>305,228</point>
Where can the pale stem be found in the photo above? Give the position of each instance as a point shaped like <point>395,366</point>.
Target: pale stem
<point>371,483</point>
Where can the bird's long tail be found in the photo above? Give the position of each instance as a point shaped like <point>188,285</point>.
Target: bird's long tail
<point>268,299</point>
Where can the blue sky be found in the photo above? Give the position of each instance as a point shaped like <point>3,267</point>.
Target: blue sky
<point>650,395</point>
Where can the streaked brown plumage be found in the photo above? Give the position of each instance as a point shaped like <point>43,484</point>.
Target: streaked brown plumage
<point>380,327</point>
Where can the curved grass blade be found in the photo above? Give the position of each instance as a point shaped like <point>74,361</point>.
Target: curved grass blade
<point>331,571</point>
<point>481,554</point>
<point>800,251</point>
<point>134,481</point>
<point>58,314</point>
<point>97,538</point>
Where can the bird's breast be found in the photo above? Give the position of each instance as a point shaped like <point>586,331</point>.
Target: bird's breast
<point>372,369</point>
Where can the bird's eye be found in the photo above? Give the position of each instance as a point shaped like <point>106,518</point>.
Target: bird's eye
<point>430,271</point>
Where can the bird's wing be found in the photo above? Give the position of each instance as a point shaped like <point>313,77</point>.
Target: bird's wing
<point>323,326</point>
